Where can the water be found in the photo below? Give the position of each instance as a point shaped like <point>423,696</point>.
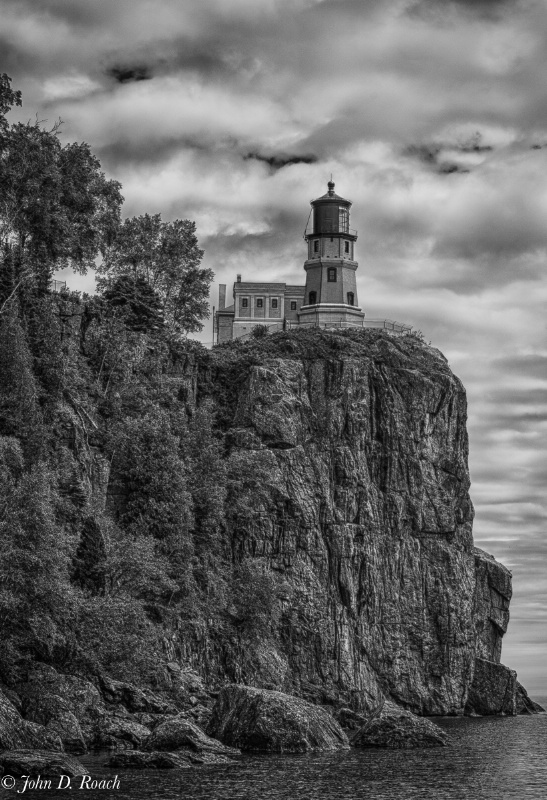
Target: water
<point>492,758</point>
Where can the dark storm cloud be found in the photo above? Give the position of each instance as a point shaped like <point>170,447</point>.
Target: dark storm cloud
<point>474,145</point>
<point>213,55</point>
<point>126,74</point>
<point>281,160</point>
<point>431,156</point>
<point>488,9</point>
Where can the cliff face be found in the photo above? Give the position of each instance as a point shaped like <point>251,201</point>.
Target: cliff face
<point>364,516</point>
<point>368,517</point>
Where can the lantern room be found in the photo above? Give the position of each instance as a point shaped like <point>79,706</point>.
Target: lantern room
<point>330,233</point>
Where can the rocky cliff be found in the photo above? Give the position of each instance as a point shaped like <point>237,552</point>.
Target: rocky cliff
<point>367,517</point>
<point>323,509</point>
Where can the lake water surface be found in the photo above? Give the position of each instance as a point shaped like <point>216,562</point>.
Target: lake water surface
<point>489,758</point>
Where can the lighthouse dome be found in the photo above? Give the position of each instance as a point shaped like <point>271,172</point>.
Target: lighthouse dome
<point>330,213</point>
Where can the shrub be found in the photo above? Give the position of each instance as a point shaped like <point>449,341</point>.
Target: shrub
<point>259,331</point>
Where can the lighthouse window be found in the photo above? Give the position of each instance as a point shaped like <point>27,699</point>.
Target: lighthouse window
<point>346,247</point>
<point>316,246</point>
<point>351,301</point>
<point>313,298</point>
<point>343,219</point>
<point>331,275</point>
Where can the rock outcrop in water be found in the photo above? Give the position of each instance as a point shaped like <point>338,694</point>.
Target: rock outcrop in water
<point>397,729</point>
<point>179,733</point>
<point>493,691</point>
<point>39,763</point>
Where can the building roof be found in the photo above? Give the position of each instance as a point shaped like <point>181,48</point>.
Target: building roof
<point>331,196</point>
<point>247,286</point>
<point>227,310</point>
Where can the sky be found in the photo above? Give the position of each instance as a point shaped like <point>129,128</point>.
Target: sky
<point>431,116</point>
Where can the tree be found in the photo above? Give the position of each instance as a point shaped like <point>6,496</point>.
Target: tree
<point>166,255</point>
<point>8,98</point>
<point>137,300</point>
<point>36,599</point>
<point>19,408</point>
<point>206,479</point>
<point>116,632</point>
<point>56,210</point>
<point>146,458</point>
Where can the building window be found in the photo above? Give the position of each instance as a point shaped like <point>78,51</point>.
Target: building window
<point>293,305</point>
<point>313,298</point>
<point>331,275</point>
<point>274,303</point>
<point>351,299</point>
<point>259,302</point>
<point>316,245</point>
<point>244,302</point>
<point>343,219</point>
<point>346,247</point>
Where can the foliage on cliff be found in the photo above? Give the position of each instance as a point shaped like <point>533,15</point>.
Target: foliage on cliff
<point>82,379</point>
<point>102,588</point>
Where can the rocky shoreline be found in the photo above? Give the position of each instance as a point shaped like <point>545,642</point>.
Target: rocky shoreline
<point>52,718</point>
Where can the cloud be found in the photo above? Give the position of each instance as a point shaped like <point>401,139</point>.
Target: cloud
<point>487,9</point>
<point>280,160</point>
<point>533,364</point>
<point>126,74</point>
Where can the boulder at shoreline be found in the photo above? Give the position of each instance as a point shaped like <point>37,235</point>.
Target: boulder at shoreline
<point>260,720</point>
<point>396,728</point>
<point>178,732</point>
<point>44,763</point>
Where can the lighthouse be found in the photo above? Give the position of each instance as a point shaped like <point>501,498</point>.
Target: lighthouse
<point>330,294</point>
<point>327,300</point>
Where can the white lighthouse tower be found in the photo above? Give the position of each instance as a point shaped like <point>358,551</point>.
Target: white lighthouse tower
<point>330,296</point>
